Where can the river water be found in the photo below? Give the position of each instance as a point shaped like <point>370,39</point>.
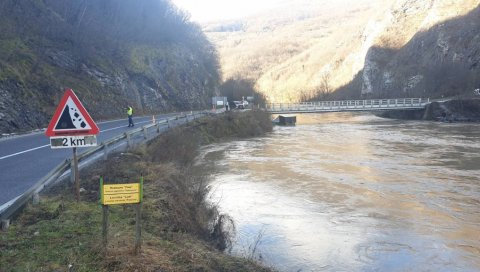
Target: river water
<point>353,192</point>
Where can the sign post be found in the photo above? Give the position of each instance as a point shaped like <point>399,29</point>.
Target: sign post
<point>76,174</point>
<point>72,127</point>
<point>116,194</point>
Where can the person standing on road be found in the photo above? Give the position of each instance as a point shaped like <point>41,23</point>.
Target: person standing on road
<point>130,115</point>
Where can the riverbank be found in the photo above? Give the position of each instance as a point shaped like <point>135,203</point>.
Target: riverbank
<point>181,231</point>
<point>354,192</point>
<point>458,110</point>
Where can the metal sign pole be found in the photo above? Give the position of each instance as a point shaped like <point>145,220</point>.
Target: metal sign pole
<point>127,193</point>
<point>76,174</point>
<point>104,219</point>
<point>105,228</point>
<point>138,220</point>
<point>138,227</point>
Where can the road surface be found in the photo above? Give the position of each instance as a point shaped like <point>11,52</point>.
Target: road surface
<point>26,159</point>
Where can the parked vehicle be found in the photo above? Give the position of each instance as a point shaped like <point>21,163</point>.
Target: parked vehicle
<point>240,104</point>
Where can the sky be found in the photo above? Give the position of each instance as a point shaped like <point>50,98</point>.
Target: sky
<point>214,10</point>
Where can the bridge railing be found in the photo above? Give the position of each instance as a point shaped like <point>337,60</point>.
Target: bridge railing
<point>350,104</point>
<point>61,171</point>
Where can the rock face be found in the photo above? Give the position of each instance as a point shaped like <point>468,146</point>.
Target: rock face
<point>16,115</point>
<point>291,48</point>
<point>386,48</point>
<point>461,110</point>
<point>426,49</point>
<point>112,53</point>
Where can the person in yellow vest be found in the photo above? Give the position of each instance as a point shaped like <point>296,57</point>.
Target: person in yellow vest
<point>130,116</point>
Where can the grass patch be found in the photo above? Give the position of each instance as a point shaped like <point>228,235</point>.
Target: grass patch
<point>51,236</point>
<point>181,231</point>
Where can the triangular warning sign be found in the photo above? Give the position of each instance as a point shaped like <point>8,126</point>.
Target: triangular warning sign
<point>71,118</point>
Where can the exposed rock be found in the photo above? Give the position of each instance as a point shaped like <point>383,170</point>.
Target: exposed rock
<point>388,48</point>
<point>111,53</point>
<point>61,59</point>
<point>15,115</point>
<point>462,110</point>
<point>431,48</point>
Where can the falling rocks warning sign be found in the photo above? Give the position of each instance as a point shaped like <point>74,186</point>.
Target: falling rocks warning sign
<point>71,118</point>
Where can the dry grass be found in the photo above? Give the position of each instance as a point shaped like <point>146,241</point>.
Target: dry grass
<point>181,231</point>
<point>288,53</point>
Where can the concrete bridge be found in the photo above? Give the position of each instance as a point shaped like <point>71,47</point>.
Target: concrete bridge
<point>349,105</point>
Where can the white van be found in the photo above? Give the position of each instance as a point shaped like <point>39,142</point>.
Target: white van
<point>240,104</point>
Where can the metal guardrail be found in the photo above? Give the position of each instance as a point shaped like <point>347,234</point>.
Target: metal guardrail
<point>349,105</point>
<point>91,154</point>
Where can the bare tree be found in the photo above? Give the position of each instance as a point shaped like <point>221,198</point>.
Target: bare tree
<point>324,90</point>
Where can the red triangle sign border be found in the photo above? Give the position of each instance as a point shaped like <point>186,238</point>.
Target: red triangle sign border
<point>51,131</point>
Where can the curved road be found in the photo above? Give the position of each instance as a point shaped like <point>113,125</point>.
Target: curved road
<point>26,159</point>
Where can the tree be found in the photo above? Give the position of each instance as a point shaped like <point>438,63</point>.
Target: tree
<point>238,88</point>
<point>323,91</point>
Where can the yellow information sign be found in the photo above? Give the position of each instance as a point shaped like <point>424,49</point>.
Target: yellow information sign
<point>121,193</point>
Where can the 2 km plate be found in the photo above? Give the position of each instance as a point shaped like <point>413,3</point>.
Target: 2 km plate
<point>73,141</point>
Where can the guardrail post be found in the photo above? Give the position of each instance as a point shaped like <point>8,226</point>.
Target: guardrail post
<point>145,133</point>
<point>5,224</point>
<point>105,152</point>
<point>35,199</point>
<point>168,123</point>
<point>158,127</point>
<point>129,142</point>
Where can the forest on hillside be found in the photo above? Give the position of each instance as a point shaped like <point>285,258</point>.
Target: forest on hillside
<point>347,49</point>
<point>145,53</point>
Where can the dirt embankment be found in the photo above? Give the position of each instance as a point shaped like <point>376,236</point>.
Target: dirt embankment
<point>181,230</point>
<point>461,110</point>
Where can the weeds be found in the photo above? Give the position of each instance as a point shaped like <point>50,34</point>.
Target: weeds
<point>253,248</point>
<point>181,230</point>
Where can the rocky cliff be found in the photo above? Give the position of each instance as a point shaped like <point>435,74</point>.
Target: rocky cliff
<point>387,48</point>
<point>427,48</point>
<point>458,110</point>
<point>288,50</point>
<point>112,53</point>
<point>416,48</point>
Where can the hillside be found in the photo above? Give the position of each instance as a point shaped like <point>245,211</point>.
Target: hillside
<point>307,49</point>
<point>112,53</point>
<point>427,49</point>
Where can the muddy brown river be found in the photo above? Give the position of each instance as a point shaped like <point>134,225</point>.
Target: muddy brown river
<point>353,192</point>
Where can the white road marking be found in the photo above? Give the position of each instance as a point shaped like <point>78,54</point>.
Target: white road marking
<point>124,126</point>
<point>25,151</point>
<point>35,148</point>
<point>111,129</point>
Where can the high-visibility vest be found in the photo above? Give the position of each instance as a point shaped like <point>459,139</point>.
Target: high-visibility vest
<point>130,111</point>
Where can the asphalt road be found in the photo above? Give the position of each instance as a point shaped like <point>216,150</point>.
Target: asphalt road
<point>26,159</point>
